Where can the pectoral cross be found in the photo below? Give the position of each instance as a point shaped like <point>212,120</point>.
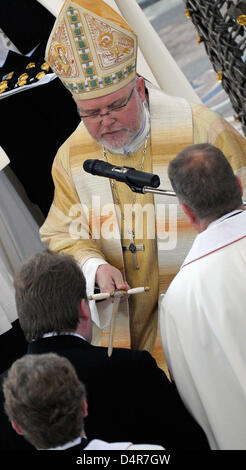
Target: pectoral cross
<point>133,248</point>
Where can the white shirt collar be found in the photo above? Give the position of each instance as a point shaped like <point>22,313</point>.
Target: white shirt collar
<point>53,333</point>
<point>73,443</point>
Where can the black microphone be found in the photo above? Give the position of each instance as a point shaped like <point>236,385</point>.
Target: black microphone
<point>125,174</point>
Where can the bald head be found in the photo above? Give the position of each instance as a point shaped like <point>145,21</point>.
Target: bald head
<point>203,179</point>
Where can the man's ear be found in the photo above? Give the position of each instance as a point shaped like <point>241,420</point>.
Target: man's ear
<point>84,309</point>
<point>192,218</point>
<point>16,428</point>
<point>239,182</point>
<point>188,212</point>
<point>85,408</point>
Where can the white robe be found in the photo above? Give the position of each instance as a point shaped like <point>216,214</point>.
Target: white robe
<point>19,239</point>
<point>203,328</point>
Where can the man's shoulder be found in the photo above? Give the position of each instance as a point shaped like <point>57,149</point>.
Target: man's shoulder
<point>212,122</point>
<point>171,120</point>
<point>131,354</point>
<point>203,272</point>
<point>199,111</point>
<point>123,356</point>
<point>77,347</point>
<point>160,96</point>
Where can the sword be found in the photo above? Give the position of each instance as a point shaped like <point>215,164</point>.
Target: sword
<point>121,293</point>
<point>116,295</point>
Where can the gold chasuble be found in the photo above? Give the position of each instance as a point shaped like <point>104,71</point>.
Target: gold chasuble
<point>137,214</point>
<point>84,209</point>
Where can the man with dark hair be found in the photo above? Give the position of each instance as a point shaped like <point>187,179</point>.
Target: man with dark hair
<point>129,397</point>
<point>203,319</point>
<point>46,403</point>
<point>49,292</point>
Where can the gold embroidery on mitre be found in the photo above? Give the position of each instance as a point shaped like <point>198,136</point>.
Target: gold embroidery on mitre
<point>93,55</point>
<point>112,46</point>
<point>60,54</point>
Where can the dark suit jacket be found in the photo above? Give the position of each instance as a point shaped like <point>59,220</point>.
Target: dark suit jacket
<point>129,397</point>
<point>9,354</point>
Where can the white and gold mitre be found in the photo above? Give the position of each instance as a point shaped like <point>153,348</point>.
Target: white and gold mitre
<point>92,49</point>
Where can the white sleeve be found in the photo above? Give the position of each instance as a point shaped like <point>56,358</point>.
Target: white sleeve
<point>101,312</point>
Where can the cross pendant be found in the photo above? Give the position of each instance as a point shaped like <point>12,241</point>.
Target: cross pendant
<point>133,249</point>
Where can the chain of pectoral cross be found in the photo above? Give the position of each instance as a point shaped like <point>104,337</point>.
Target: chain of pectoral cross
<point>132,247</point>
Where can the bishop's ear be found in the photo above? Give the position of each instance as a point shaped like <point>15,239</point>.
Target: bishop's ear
<point>140,86</point>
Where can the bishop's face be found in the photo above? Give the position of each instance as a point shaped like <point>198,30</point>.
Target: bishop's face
<point>115,119</point>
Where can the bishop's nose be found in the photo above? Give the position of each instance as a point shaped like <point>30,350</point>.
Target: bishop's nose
<point>107,119</point>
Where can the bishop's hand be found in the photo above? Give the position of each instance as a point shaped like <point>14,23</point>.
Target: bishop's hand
<point>109,278</point>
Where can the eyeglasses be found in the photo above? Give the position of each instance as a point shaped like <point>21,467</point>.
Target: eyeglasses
<point>112,109</point>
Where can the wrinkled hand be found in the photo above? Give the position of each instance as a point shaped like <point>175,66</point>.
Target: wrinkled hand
<point>109,278</point>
